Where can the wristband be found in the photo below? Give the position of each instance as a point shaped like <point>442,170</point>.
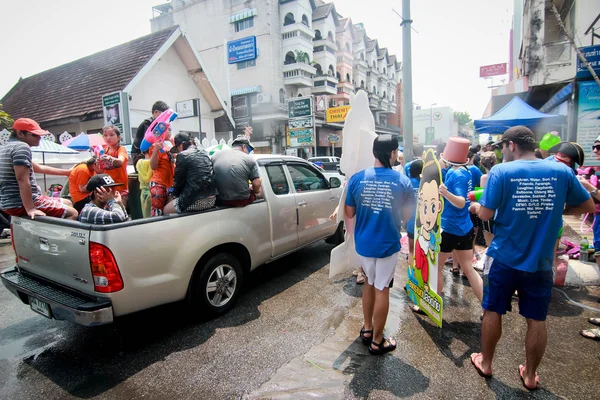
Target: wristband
<point>593,192</point>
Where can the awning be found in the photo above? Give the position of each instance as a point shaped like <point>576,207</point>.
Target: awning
<point>244,14</point>
<point>246,90</point>
<point>560,96</point>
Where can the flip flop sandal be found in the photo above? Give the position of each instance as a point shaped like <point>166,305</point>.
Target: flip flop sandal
<point>366,340</point>
<point>537,379</point>
<point>417,310</point>
<point>455,271</point>
<point>594,321</point>
<point>360,278</point>
<point>594,334</point>
<point>381,349</point>
<point>475,356</point>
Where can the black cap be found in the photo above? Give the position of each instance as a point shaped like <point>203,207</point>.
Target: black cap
<point>385,143</point>
<point>517,134</point>
<point>242,140</point>
<point>100,180</point>
<point>571,149</point>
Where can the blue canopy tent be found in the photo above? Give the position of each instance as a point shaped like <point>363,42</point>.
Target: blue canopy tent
<point>516,112</point>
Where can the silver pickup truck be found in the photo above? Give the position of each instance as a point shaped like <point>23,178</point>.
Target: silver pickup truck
<point>90,274</point>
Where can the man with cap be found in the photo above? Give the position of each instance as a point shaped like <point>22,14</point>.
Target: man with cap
<point>233,170</point>
<point>19,193</point>
<point>193,184</point>
<point>380,198</point>
<point>568,153</point>
<point>105,206</point>
<point>528,196</point>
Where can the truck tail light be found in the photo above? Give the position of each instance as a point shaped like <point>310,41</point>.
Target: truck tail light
<point>12,242</point>
<point>107,278</point>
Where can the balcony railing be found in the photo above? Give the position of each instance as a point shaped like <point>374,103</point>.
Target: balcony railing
<point>325,84</point>
<point>299,74</point>
<point>558,53</point>
<point>297,30</point>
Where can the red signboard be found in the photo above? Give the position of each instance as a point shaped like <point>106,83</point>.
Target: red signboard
<point>492,70</point>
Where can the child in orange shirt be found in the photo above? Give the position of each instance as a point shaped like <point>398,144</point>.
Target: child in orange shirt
<point>78,179</point>
<point>162,164</point>
<point>114,160</point>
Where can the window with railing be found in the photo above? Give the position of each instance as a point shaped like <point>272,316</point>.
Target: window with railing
<point>289,19</point>
<point>290,35</point>
<point>244,24</point>
<point>318,49</point>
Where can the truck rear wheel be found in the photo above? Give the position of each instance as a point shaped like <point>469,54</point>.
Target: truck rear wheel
<point>216,288</point>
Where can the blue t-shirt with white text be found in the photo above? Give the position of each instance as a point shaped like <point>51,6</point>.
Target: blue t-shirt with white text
<point>457,221</point>
<point>410,224</point>
<point>379,195</point>
<point>475,176</point>
<point>529,196</point>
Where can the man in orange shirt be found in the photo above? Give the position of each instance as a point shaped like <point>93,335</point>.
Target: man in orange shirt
<point>78,179</point>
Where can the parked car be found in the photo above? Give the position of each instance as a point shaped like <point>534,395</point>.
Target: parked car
<point>90,274</point>
<point>327,163</point>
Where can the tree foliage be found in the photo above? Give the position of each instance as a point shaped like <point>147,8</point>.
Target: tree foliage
<point>463,118</point>
<point>5,120</point>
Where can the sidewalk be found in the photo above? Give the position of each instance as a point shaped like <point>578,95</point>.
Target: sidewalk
<point>575,272</point>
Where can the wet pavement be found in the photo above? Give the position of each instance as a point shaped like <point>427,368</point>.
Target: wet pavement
<point>293,334</point>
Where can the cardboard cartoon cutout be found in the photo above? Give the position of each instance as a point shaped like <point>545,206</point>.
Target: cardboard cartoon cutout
<point>357,154</point>
<point>423,273</point>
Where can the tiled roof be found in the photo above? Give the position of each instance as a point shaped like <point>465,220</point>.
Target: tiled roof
<point>76,89</point>
<point>371,44</point>
<point>392,59</point>
<point>322,11</point>
<point>319,3</point>
<point>382,53</point>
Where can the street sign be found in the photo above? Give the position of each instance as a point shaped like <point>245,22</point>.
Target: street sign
<point>592,55</point>
<point>492,70</point>
<point>301,132</point>
<point>300,107</point>
<point>301,141</point>
<point>241,50</point>
<point>429,135</point>
<point>337,114</point>
<point>115,109</point>
<point>187,108</point>
<point>306,122</point>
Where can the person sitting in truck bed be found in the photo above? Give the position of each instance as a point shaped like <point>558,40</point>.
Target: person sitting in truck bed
<point>233,169</point>
<point>106,206</point>
<point>20,195</point>
<point>193,186</point>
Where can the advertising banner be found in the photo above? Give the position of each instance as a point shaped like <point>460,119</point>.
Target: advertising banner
<point>299,108</point>
<point>241,50</point>
<point>588,118</point>
<point>592,55</point>
<point>337,114</point>
<point>115,109</point>
<point>492,70</point>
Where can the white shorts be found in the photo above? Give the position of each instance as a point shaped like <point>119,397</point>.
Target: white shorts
<point>379,271</point>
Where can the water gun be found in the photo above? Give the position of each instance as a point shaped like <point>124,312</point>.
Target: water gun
<point>159,128</point>
<point>98,151</point>
<point>475,195</point>
<point>589,174</point>
<point>549,140</point>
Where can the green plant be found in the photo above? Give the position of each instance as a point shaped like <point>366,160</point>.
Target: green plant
<point>5,120</point>
<point>302,57</point>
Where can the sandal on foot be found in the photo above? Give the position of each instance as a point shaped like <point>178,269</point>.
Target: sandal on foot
<point>360,278</point>
<point>593,334</point>
<point>366,340</point>
<point>455,270</point>
<point>381,349</point>
<point>594,321</point>
<point>474,357</point>
<point>537,379</point>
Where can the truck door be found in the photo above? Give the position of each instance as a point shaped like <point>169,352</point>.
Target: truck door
<point>315,202</point>
<point>282,208</point>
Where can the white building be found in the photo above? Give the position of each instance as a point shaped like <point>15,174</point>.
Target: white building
<point>441,119</point>
<point>304,48</point>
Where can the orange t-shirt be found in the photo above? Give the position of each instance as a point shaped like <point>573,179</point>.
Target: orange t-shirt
<point>119,174</point>
<point>163,174</point>
<point>79,176</point>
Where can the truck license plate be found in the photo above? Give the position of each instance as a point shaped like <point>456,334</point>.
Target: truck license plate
<point>39,307</point>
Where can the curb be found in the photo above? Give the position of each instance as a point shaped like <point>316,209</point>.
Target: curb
<point>576,273</point>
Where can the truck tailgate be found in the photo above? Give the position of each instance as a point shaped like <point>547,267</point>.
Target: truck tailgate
<point>59,253</point>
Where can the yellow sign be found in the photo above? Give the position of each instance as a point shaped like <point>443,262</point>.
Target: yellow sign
<point>337,114</point>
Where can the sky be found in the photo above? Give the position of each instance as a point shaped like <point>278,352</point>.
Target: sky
<point>454,39</point>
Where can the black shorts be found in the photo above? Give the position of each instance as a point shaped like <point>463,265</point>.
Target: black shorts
<point>452,242</point>
<point>476,221</point>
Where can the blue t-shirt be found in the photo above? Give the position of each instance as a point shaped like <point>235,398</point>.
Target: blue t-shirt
<point>457,220</point>
<point>410,224</point>
<point>379,195</point>
<point>407,167</point>
<point>475,176</point>
<point>529,196</point>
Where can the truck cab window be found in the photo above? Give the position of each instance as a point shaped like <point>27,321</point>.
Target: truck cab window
<point>278,180</point>
<point>306,179</point>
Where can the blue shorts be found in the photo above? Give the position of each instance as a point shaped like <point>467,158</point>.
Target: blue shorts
<point>534,290</point>
<point>596,228</point>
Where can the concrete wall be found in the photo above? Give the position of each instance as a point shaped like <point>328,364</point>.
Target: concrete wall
<point>444,127</point>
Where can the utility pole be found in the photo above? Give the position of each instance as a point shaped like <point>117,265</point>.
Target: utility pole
<point>407,109</point>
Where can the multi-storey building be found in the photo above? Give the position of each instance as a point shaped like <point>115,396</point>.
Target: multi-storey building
<point>304,48</point>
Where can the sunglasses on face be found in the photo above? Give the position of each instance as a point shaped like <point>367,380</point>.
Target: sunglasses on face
<point>596,147</point>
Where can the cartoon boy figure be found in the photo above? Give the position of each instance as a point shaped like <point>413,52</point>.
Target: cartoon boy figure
<point>429,208</point>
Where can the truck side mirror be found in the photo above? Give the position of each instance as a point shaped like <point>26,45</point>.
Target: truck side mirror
<point>335,182</point>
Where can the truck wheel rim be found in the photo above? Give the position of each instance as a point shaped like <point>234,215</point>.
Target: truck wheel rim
<point>221,285</point>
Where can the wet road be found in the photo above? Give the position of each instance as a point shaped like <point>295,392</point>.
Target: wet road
<point>292,335</point>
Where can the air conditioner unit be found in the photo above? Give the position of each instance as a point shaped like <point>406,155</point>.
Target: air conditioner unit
<point>263,98</point>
